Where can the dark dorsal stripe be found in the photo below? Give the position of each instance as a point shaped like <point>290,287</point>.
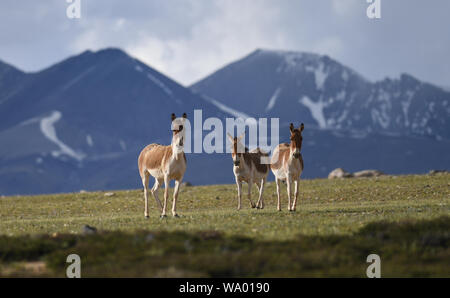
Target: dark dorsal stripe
<point>254,158</point>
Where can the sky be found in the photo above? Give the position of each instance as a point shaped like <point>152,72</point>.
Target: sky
<point>189,39</point>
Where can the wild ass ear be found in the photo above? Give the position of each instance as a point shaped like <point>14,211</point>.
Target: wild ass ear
<point>302,127</point>
<point>184,115</point>
<point>173,117</point>
<point>230,137</point>
<point>291,127</point>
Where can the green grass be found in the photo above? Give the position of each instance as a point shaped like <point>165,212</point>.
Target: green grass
<point>336,225</point>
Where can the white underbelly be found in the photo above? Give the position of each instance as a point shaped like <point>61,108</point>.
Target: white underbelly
<point>157,173</point>
<point>279,173</point>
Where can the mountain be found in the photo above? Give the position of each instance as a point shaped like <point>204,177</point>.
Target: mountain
<point>81,123</point>
<point>399,126</point>
<point>324,93</point>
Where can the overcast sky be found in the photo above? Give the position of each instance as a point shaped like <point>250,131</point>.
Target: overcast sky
<point>189,39</point>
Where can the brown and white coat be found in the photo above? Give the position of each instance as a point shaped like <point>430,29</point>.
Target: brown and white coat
<point>164,163</point>
<point>287,165</point>
<point>247,167</point>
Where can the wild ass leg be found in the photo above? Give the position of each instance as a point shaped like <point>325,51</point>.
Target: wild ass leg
<point>249,195</point>
<point>166,195</point>
<point>155,193</point>
<point>263,183</point>
<point>260,203</point>
<point>145,183</point>
<point>278,194</point>
<point>294,204</point>
<point>258,186</point>
<point>239,189</point>
<point>175,197</point>
<point>289,190</point>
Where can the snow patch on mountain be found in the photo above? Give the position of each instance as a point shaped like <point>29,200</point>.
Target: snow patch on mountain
<point>77,78</point>
<point>89,141</point>
<point>225,108</point>
<point>273,99</point>
<point>49,131</point>
<point>123,145</point>
<point>380,118</point>
<point>160,84</point>
<point>291,59</point>
<point>30,121</point>
<point>405,107</point>
<point>316,109</point>
<point>320,75</point>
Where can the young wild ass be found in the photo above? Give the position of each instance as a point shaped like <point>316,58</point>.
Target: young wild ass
<point>247,167</point>
<point>164,163</point>
<point>287,164</point>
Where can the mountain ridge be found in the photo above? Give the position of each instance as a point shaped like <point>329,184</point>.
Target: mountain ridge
<point>325,93</point>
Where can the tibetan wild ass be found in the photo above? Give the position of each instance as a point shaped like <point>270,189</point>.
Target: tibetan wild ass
<point>164,163</point>
<point>287,164</point>
<point>247,167</point>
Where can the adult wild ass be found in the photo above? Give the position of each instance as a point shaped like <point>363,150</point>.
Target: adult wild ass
<point>287,164</point>
<point>164,163</point>
<point>247,167</point>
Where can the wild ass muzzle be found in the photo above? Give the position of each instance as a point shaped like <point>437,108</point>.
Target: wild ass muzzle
<point>164,163</point>
<point>247,167</point>
<point>287,165</point>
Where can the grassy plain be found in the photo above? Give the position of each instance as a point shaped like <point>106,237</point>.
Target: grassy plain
<point>404,219</point>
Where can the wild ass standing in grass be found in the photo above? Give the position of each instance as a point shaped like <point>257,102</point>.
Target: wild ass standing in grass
<point>164,163</point>
<point>287,164</point>
<point>247,167</point>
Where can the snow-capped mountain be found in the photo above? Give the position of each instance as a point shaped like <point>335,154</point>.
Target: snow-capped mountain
<point>322,92</point>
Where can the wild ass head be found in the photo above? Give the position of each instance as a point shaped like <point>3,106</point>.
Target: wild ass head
<point>178,134</point>
<point>237,149</point>
<point>296,140</point>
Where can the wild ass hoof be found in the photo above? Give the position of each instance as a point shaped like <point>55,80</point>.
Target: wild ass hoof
<point>176,215</point>
<point>253,205</point>
<point>163,216</point>
<point>147,217</point>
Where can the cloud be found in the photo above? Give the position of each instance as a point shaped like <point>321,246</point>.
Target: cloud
<point>345,7</point>
<point>189,39</point>
<point>231,30</point>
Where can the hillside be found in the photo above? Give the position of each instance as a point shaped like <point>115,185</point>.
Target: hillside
<point>390,215</point>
